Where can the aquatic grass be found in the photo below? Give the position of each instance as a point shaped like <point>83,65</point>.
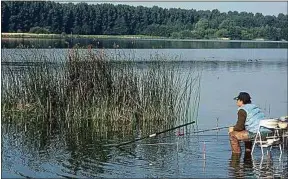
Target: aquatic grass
<point>93,89</point>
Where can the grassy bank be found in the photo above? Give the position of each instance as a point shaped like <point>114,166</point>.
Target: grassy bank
<point>63,36</point>
<point>91,89</point>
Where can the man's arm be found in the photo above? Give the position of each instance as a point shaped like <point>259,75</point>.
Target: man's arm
<point>240,125</point>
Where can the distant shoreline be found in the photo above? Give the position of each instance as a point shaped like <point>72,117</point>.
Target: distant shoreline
<point>134,37</point>
<point>65,36</point>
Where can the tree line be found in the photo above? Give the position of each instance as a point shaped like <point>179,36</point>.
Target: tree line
<point>108,19</point>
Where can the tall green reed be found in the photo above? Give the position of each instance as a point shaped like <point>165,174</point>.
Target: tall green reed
<point>104,93</point>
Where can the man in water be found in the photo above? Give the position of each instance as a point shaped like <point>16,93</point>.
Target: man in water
<point>249,116</point>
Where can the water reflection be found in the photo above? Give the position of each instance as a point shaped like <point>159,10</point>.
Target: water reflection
<point>80,153</point>
<point>134,44</point>
<point>66,152</point>
<point>61,152</point>
<point>237,170</point>
<point>260,167</point>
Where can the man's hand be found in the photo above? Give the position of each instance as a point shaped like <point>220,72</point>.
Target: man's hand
<point>230,129</point>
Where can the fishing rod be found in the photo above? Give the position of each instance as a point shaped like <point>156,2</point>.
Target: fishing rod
<point>213,129</point>
<point>149,136</point>
<point>205,130</point>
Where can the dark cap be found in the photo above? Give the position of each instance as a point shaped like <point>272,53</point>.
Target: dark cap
<point>243,96</point>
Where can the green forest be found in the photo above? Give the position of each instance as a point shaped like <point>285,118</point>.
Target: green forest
<point>107,19</point>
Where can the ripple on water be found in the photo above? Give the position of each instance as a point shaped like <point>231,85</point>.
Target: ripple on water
<point>24,157</point>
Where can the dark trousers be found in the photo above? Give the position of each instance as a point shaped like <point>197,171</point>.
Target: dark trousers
<point>236,137</point>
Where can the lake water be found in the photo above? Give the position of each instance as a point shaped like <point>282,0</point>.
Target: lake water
<point>226,70</point>
<point>137,43</point>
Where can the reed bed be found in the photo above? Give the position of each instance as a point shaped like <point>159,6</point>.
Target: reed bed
<point>91,90</point>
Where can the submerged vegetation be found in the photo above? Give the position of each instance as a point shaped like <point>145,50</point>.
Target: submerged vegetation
<point>93,90</point>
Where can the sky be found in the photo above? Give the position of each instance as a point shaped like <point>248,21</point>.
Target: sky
<point>266,8</point>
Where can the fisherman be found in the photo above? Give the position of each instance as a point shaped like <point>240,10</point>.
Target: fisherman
<point>249,116</point>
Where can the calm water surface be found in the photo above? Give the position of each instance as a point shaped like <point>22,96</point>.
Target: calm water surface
<point>38,152</point>
<point>137,43</point>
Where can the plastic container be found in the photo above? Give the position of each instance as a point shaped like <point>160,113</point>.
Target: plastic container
<point>282,124</point>
<point>269,123</point>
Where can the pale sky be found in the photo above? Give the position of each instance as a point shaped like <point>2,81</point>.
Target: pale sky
<point>266,8</point>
